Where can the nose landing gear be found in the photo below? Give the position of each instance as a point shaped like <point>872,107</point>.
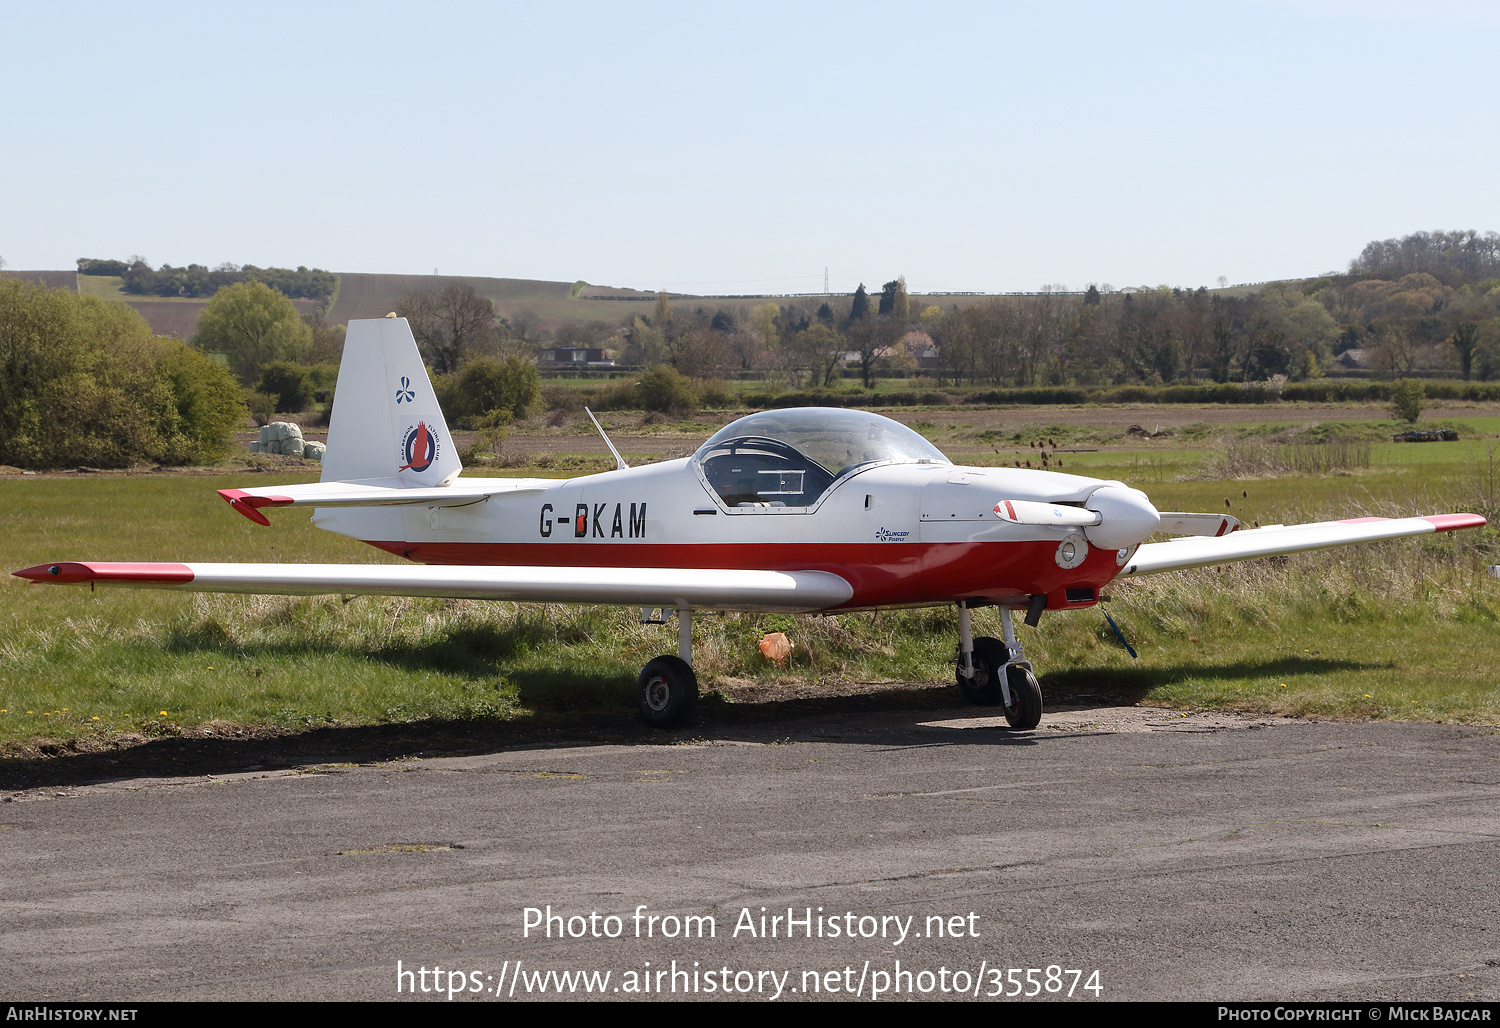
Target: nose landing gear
<point>993,673</point>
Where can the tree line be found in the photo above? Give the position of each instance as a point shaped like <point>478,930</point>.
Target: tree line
<point>1427,303</point>
<point>198,280</point>
<point>85,382</point>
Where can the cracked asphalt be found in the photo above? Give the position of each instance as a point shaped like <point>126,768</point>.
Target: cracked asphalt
<point>1201,856</point>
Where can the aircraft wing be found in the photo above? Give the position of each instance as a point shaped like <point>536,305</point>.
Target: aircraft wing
<point>697,588</point>
<point>1199,551</point>
<point>375,492</point>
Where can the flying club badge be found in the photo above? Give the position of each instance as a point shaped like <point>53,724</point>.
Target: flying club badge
<point>419,448</point>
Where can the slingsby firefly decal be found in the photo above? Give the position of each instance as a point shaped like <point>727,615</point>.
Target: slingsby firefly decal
<point>886,535</point>
<point>405,394</point>
<point>604,526</point>
<point>419,448</point>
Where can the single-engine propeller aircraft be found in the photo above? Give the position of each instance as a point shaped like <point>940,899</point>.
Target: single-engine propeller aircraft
<point>809,509</point>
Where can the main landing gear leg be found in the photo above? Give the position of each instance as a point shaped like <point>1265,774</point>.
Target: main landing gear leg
<point>978,663</point>
<point>667,687</point>
<point>965,644</point>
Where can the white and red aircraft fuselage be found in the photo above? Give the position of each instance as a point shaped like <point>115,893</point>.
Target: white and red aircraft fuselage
<point>808,509</point>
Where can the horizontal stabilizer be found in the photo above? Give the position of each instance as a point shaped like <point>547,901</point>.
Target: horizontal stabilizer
<point>697,588</point>
<point>379,492</point>
<point>1177,554</point>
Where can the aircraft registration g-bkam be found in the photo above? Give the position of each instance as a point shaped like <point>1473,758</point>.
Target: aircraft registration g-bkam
<point>803,510</point>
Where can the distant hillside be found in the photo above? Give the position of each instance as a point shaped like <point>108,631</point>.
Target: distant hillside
<point>50,279</point>
<point>361,295</point>
<point>373,296</point>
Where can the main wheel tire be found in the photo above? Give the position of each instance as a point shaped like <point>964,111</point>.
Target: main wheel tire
<point>668,692</point>
<point>990,656</point>
<point>1025,709</point>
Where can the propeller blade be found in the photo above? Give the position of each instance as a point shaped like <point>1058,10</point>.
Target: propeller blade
<point>1030,512</point>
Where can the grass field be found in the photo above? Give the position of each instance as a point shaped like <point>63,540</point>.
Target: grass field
<point>1404,630</point>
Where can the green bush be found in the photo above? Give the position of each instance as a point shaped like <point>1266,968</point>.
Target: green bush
<point>562,398</point>
<point>85,382</point>
<point>325,378</point>
<point>487,389</point>
<point>262,406</point>
<point>616,395</point>
<point>715,393</point>
<point>1406,400</point>
<point>663,388</point>
<point>209,406</point>
<point>291,384</point>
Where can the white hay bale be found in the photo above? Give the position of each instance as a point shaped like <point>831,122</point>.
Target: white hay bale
<point>312,450</point>
<point>280,431</point>
<point>290,446</point>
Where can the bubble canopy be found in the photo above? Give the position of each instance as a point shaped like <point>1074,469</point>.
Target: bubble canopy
<point>790,458</point>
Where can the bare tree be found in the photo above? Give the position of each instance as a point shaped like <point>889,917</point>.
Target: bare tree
<point>700,352</point>
<point>816,349</point>
<point>1192,322</point>
<point>1464,324</point>
<point>1395,354</point>
<point>526,326</point>
<point>449,322</point>
<point>578,333</point>
<point>873,340</point>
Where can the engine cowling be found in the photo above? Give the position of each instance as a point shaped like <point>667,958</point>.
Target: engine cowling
<point>1127,517</point>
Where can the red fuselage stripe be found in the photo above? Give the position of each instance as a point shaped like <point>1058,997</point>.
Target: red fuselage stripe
<point>880,573</point>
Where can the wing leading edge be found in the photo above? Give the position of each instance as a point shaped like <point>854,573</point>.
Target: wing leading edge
<point>698,588</point>
<point>1198,551</point>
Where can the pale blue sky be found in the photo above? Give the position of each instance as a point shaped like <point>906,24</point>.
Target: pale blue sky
<point>744,147</point>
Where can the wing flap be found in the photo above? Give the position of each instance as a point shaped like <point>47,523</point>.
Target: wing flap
<point>1200,551</point>
<point>697,588</point>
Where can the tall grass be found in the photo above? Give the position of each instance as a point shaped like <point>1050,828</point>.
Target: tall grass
<point>1237,458</point>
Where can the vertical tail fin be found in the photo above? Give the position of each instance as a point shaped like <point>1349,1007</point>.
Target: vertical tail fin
<point>386,422</point>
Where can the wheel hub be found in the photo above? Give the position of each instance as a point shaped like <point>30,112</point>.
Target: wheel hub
<point>658,694</point>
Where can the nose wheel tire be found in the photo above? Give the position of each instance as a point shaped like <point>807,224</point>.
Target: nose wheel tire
<point>1025,709</point>
<point>990,656</point>
<point>668,692</point>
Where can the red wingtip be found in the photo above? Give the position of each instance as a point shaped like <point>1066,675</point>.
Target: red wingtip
<point>68,572</point>
<point>1449,522</point>
<point>246,504</point>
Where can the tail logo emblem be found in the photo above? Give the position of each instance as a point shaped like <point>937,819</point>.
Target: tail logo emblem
<point>406,392</point>
<point>420,448</point>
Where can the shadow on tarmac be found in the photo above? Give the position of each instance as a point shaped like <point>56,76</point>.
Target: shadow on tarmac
<point>605,714</point>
